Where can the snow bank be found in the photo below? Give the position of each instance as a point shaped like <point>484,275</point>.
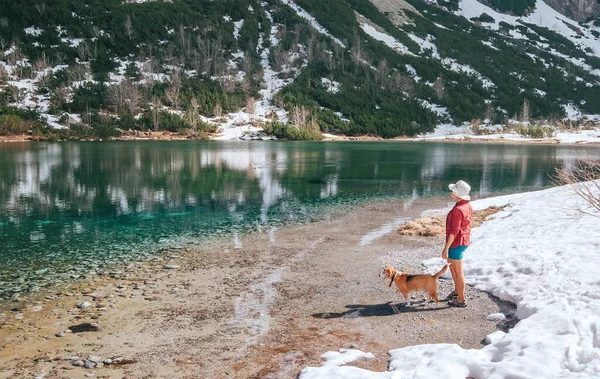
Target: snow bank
<point>540,252</point>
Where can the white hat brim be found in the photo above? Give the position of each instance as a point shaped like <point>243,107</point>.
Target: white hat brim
<point>452,186</point>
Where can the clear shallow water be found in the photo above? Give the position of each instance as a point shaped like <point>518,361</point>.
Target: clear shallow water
<point>71,209</point>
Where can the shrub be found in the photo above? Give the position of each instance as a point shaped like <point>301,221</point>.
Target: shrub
<point>172,122</point>
<point>12,124</point>
<point>291,132</point>
<point>204,127</point>
<point>535,131</point>
<point>483,18</point>
<point>104,128</point>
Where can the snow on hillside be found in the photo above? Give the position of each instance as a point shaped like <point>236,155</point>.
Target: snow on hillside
<point>240,123</point>
<point>426,45</point>
<point>385,38</point>
<point>543,16</point>
<point>453,65</point>
<point>313,22</point>
<point>541,253</point>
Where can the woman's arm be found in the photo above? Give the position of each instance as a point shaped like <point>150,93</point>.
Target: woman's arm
<point>455,224</point>
<point>449,242</point>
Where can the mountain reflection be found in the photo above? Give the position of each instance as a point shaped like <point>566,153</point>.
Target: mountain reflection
<point>81,202</point>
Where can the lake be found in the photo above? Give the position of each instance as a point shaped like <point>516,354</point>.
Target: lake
<point>69,210</point>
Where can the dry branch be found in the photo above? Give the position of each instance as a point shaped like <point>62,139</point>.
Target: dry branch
<point>584,180</point>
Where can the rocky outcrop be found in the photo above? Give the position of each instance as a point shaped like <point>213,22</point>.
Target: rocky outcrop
<point>394,10</point>
<point>578,10</point>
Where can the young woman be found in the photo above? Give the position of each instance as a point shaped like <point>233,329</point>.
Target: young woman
<point>458,238</point>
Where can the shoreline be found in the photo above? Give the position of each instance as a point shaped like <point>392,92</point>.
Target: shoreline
<point>265,310</point>
<point>171,136</point>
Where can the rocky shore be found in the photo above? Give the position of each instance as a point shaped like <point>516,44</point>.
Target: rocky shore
<point>263,307</point>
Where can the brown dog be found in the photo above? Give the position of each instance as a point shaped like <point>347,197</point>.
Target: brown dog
<point>407,283</point>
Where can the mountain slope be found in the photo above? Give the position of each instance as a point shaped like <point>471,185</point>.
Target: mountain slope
<point>342,66</point>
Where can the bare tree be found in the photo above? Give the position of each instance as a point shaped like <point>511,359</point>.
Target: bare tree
<point>584,181</point>
<point>93,51</point>
<point>149,68</point>
<point>439,88</point>
<point>525,111</point>
<point>124,96</point>
<point>195,60</point>
<point>3,45</point>
<point>247,63</point>
<point>3,75</point>
<point>59,57</point>
<point>60,97</point>
<point>96,31</point>
<point>116,97</point>
<point>41,8</point>
<point>156,105</point>
<point>208,51</point>
<point>204,54</point>
<point>192,114</point>
<point>86,116</point>
<point>15,55</point>
<point>78,73</point>
<point>250,105</point>
<point>43,80</point>
<point>311,44</point>
<point>327,57</point>
<point>296,39</point>
<point>356,53</point>
<point>383,71</point>
<point>182,36</point>
<point>186,45</point>
<point>280,58</point>
<point>128,27</point>
<point>174,89</point>
<point>338,53</point>
<point>489,113</point>
<point>83,51</point>
<point>132,96</point>
<point>42,63</point>
<point>169,54</point>
<point>401,83</point>
<point>301,118</point>
<point>16,95</point>
<point>226,78</point>
<point>218,110</point>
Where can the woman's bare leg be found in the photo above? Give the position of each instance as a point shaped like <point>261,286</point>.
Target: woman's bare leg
<point>456,269</point>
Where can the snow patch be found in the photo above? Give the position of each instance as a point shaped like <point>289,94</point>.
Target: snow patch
<point>313,22</point>
<point>330,85</point>
<point>385,38</point>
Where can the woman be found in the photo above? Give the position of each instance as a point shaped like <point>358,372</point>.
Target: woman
<point>458,238</point>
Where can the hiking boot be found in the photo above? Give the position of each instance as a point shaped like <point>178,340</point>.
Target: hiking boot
<point>457,303</point>
<point>452,295</point>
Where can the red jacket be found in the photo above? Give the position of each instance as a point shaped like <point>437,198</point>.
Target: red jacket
<point>458,222</point>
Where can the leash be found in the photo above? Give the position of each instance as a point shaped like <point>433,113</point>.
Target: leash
<point>392,280</point>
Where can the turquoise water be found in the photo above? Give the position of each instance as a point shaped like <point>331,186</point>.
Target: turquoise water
<point>71,209</point>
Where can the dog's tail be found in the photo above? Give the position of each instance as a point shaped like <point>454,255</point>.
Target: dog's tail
<point>443,270</point>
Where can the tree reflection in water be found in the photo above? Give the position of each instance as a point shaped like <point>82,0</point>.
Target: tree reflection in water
<point>68,208</point>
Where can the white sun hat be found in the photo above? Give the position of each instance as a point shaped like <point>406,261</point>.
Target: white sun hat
<point>461,189</point>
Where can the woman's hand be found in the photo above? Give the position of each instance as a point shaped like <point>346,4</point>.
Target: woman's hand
<point>445,254</point>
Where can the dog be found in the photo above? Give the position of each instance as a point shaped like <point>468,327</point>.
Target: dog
<point>406,283</point>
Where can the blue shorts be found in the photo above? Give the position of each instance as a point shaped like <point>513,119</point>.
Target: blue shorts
<point>456,253</point>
